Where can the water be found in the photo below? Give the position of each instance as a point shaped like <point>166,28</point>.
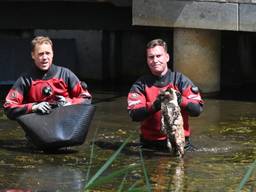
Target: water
<point>225,135</point>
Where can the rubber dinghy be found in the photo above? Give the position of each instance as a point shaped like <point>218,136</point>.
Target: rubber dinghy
<point>63,127</point>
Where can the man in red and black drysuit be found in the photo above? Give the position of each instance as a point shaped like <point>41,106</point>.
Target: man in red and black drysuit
<point>144,102</point>
<point>45,85</point>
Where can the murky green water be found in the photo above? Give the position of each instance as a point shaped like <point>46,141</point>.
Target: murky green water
<point>225,134</point>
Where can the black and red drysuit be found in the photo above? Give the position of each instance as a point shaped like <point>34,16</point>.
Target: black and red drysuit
<point>29,89</point>
<point>144,92</point>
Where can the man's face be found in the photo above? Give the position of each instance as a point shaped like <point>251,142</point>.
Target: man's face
<point>157,59</point>
<point>42,56</point>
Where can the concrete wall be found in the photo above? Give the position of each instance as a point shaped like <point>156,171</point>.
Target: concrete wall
<point>235,15</point>
<point>197,55</point>
<point>88,48</point>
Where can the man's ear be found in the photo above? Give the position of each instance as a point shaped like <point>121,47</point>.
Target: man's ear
<point>168,57</point>
<point>32,55</point>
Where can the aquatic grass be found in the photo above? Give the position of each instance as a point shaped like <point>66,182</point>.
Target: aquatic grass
<point>106,165</point>
<point>132,188</point>
<point>97,180</point>
<point>148,185</point>
<point>145,171</point>
<point>246,177</point>
<point>92,182</point>
<point>121,186</point>
<point>90,161</point>
<point>92,153</point>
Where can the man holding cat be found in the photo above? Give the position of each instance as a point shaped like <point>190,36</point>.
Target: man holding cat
<point>144,102</point>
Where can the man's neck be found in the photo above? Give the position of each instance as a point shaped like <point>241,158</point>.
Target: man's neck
<point>162,74</point>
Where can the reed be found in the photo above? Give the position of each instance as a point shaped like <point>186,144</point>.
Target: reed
<point>98,180</point>
<point>246,177</point>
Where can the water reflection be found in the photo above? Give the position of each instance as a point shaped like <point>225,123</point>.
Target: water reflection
<point>52,178</point>
<point>170,175</point>
<point>178,176</point>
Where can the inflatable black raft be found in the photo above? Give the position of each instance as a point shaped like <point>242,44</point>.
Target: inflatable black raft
<point>63,127</point>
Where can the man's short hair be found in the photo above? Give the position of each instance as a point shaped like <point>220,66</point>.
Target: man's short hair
<point>157,42</point>
<point>39,40</point>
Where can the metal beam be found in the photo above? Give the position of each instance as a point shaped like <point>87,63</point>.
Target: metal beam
<point>64,15</point>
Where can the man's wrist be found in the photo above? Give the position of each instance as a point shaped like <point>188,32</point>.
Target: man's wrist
<point>33,108</point>
<point>151,108</point>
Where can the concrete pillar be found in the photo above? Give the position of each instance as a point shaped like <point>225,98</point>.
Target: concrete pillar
<point>197,55</point>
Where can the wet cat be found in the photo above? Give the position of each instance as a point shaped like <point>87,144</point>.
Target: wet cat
<point>172,122</point>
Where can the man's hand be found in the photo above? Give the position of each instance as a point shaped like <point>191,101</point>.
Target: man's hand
<point>157,103</point>
<point>43,107</point>
<point>162,95</point>
<point>178,94</point>
<point>179,97</point>
<point>62,101</point>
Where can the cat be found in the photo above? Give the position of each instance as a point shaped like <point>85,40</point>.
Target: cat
<point>172,122</point>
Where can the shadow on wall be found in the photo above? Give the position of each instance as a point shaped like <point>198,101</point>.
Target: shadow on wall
<point>238,68</point>
<point>16,57</point>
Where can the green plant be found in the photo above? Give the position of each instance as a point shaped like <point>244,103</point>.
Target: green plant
<point>97,180</point>
<point>246,177</point>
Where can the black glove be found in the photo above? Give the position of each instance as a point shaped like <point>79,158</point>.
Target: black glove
<point>179,97</point>
<point>178,94</point>
<point>157,103</point>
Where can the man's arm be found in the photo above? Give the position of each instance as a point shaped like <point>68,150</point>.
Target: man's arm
<point>139,114</point>
<point>194,109</point>
<point>139,109</point>
<point>191,99</point>
<point>78,91</point>
<point>14,105</point>
<point>80,95</point>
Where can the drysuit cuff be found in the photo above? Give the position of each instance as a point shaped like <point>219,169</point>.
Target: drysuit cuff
<point>184,102</point>
<point>29,107</point>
